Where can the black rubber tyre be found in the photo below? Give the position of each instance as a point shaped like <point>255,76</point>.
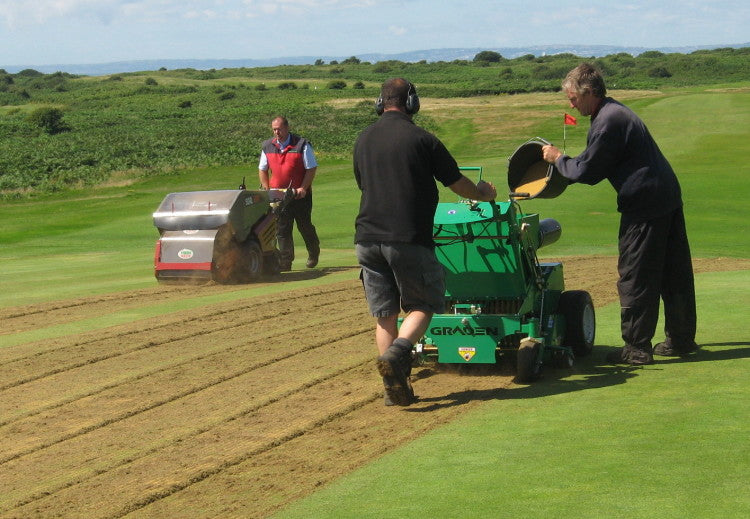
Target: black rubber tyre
<point>252,261</point>
<point>527,368</point>
<point>580,321</point>
<point>272,263</point>
<point>226,267</point>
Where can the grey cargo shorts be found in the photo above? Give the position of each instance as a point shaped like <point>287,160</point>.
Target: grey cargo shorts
<point>401,275</point>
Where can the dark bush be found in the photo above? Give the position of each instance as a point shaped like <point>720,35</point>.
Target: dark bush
<point>48,119</point>
<point>488,56</point>
<point>659,72</point>
<point>336,85</point>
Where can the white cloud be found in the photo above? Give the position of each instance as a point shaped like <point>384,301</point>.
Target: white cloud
<point>25,12</point>
<point>18,13</point>
<point>397,31</point>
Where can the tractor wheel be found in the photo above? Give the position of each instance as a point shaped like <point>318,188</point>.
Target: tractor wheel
<point>252,262</point>
<point>580,321</point>
<point>272,264</point>
<point>527,367</point>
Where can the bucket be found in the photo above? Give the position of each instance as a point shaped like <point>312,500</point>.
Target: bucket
<point>529,176</point>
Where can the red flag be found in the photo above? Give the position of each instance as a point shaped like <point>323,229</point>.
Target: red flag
<point>570,120</point>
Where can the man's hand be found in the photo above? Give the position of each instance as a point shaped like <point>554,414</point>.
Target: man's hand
<point>550,153</point>
<point>300,192</point>
<point>487,190</point>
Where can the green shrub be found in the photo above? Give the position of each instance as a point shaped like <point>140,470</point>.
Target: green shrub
<point>337,84</point>
<point>488,56</point>
<point>659,72</point>
<point>48,119</point>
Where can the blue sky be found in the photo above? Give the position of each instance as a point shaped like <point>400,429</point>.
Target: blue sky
<point>46,32</point>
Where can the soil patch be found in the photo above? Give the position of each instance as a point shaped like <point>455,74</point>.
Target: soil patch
<point>234,409</point>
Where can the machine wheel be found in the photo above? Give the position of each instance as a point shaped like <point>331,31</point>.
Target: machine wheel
<point>252,260</point>
<point>580,321</point>
<point>527,368</point>
<point>562,359</point>
<point>227,259</point>
<point>272,264</point>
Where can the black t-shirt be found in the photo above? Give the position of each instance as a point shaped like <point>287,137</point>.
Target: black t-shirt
<point>396,164</point>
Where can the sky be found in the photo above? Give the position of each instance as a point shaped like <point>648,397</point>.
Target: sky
<point>48,32</point>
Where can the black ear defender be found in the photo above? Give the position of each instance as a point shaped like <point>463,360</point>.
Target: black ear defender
<point>412,102</point>
<point>380,105</point>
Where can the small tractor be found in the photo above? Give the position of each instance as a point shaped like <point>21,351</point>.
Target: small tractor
<point>227,236</point>
<point>500,299</point>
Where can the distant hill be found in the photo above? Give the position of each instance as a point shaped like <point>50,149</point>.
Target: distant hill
<point>430,55</point>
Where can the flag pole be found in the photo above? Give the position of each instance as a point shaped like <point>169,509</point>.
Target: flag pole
<point>565,133</point>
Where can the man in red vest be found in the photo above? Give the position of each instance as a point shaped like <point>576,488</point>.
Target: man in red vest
<point>291,161</point>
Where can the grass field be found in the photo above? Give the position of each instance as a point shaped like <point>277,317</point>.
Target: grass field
<point>663,441</point>
<point>143,402</point>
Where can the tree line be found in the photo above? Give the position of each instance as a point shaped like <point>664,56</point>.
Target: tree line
<point>61,130</point>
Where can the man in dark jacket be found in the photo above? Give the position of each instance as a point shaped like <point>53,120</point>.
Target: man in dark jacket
<point>654,255</point>
<point>396,165</point>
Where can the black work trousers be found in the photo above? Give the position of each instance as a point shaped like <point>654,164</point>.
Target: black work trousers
<point>655,264</point>
<point>299,211</point>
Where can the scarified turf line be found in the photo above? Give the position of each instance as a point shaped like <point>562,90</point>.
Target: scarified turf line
<point>204,461</point>
<point>9,349</point>
<point>48,421</point>
<point>147,500</point>
<point>197,318</point>
<point>229,410</point>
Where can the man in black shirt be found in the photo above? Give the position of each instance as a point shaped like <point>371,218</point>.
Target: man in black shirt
<point>396,165</point>
<point>654,255</point>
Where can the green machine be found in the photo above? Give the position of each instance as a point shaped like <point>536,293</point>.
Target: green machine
<point>501,301</point>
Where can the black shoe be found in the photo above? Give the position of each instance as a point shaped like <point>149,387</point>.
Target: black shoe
<point>387,398</point>
<point>312,261</point>
<point>285,267</point>
<point>631,356</point>
<point>666,349</point>
<point>393,367</point>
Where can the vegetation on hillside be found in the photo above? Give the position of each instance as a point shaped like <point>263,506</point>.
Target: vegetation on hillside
<point>59,130</point>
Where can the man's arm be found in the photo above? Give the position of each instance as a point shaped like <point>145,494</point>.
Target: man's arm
<point>465,188</point>
<point>306,182</point>
<point>263,170</point>
<point>263,177</point>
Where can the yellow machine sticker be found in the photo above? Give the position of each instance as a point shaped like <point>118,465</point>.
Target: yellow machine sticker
<point>467,353</point>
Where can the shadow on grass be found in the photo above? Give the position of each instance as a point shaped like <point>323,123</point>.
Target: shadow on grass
<point>587,373</point>
<point>732,351</point>
<point>591,372</point>
<point>305,274</point>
